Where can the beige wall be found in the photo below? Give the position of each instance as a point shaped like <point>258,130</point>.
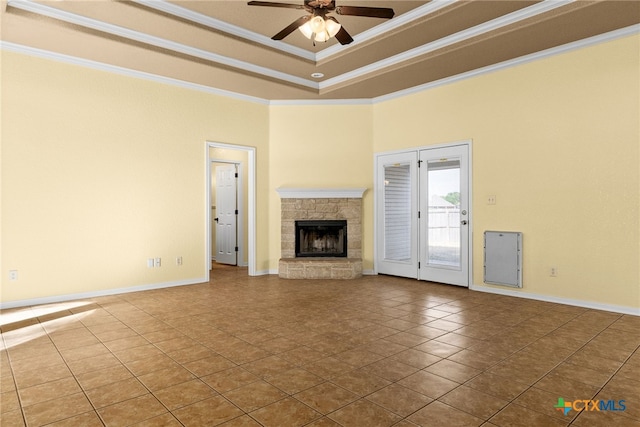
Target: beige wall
<point>557,142</point>
<point>101,172</point>
<point>321,147</point>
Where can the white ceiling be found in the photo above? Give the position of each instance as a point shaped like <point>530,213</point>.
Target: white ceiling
<point>226,45</point>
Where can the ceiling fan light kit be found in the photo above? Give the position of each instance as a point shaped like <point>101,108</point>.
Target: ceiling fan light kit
<point>320,29</point>
<point>318,26</point>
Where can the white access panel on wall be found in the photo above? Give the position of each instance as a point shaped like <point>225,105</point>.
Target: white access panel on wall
<point>503,258</point>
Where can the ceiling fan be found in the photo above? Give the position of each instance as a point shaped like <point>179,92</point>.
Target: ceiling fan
<point>318,25</point>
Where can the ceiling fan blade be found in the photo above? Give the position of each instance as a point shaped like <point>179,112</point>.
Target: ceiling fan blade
<point>343,36</point>
<point>291,28</point>
<point>372,12</point>
<point>270,4</point>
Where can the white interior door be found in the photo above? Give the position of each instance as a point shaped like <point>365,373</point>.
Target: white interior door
<point>226,211</point>
<point>444,215</point>
<point>397,214</point>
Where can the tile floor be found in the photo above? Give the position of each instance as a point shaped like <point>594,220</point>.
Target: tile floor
<point>262,351</point>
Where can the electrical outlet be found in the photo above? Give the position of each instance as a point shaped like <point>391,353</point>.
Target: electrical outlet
<point>157,263</point>
<point>13,274</point>
<point>491,200</point>
<point>179,260</point>
<point>553,271</point>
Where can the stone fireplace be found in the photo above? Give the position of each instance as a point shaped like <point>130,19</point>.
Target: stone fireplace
<point>329,246</point>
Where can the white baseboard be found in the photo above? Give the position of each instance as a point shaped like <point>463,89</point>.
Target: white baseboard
<point>364,272</point>
<point>480,288</point>
<point>634,311</point>
<point>265,272</point>
<point>106,292</point>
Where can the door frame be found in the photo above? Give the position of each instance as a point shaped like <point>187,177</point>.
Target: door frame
<point>251,208</point>
<point>239,207</point>
<point>376,214</point>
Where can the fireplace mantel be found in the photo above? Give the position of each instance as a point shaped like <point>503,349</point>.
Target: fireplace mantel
<point>321,193</point>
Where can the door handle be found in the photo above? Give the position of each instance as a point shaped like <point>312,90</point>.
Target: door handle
<point>463,222</point>
<point>215,219</point>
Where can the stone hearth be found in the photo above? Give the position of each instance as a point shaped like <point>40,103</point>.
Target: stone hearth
<point>311,204</point>
<point>320,268</point>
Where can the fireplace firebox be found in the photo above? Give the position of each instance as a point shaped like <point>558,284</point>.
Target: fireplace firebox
<point>321,238</point>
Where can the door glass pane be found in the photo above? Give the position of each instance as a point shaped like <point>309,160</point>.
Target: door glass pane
<point>443,177</point>
<point>397,212</point>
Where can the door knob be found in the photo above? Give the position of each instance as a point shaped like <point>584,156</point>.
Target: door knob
<point>463,222</point>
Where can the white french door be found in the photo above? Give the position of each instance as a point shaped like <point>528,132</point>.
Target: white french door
<point>227,214</point>
<point>423,214</point>
<point>444,215</point>
<point>397,197</point>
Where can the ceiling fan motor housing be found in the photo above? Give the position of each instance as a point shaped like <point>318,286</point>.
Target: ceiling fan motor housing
<point>320,4</point>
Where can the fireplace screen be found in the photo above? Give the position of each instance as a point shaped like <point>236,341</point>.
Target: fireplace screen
<point>321,238</point>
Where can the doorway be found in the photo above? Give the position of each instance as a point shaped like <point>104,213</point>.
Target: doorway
<point>222,153</point>
<point>423,214</point>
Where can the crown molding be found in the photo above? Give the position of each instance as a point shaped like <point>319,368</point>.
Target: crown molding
<point>565,48</point>
<point>225,27</point>
<point>385,27</point>
<point>591,41</point>
<point>302,102</point>
<point>323,55</point>
<point>119,31</point>
<point>509,19</point>
<point>429,8</point>
<point>101,66</point>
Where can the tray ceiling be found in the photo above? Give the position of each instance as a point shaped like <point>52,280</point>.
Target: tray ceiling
<point>226,45</point>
